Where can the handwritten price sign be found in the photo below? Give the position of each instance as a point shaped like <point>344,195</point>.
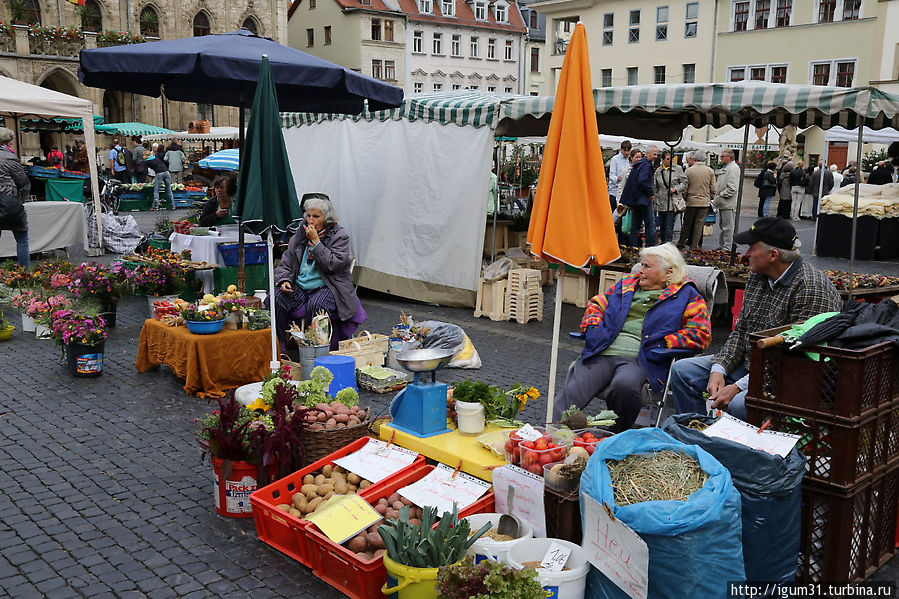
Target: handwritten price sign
<point>441,488</point>
<point>376,461</point>
<point>556,557</point>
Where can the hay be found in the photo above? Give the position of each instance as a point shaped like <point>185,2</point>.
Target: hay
<point>659,476</point>
<point>697,425</point>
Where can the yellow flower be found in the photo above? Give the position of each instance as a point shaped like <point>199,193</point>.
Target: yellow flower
<point>258,404</point>
<point>533,393</point>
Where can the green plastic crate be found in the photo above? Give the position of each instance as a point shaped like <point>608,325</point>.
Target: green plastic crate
<point>160,244</point>
<point>257,277</point>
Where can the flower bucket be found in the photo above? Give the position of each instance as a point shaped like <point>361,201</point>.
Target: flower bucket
<point>108,312</point>
<point>232,490</point>
<point>156,298</point>
<point>27,323</point>
<point>568,584</point>
<point>84,360</point>
<point>6,333</point>
<point>308,354</point>
<point>406,582</point>
<point>42,331</point>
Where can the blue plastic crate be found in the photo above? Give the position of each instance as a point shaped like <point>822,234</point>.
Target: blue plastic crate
<point>183,202</point>
<point>253,253</point>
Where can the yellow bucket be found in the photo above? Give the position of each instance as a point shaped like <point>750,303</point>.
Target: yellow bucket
<point>406,582</point>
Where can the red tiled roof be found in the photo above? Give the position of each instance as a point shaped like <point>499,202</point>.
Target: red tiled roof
<point>465,16</point>
<point>376,5</point>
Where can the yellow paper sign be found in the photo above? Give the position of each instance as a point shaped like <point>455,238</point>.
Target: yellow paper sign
<point>342,516</point>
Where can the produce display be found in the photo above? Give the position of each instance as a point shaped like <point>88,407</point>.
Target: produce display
<point>586,441</point>
<point>536,454</point>
<point>321,486</point>
<point>841,280</point>
<point>336,414</point>
<point>183,226</point>
<point>368,544</point>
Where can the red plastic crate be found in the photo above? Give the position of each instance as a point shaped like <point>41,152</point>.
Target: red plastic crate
<point>288,533</point>
<point>360,579</point>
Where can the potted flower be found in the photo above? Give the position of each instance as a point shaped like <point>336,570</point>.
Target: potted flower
<point>20,303</point>
<point>281,446</point>
<point>83,337</point>
<point>488,579</point>
<point>233,308</point>
<point>103,284</point>
<point>203,320</point>
<point>40,310</point>
<point>158,281</point>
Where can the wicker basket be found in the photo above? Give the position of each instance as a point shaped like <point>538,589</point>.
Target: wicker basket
<point>318,444</point>
<point>366,341</point>
<point>364,356</point>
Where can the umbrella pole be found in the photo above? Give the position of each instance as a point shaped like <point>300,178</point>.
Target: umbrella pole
<point>858,173</point>
<point>554,352</point>
<point>275,364</point>
<point>733,246</point>
<point>495,210</point>
<point>241,265</point>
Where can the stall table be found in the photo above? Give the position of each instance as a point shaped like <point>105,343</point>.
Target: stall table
<point>204,248</point>
<point>209,364</point>
<point>449,448</point>
<point>51,226</point>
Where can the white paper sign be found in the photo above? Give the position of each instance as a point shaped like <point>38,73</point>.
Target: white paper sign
<point>615,549</point>
<point>734,429</point>
<point>375,461</point>
<point>556,557</point>
<point>529,433</point>
<point>520,493</point>
<point>440,489</point>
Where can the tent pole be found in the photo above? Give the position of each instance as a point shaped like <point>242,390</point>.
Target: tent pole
<point>733,246</point>
<point>858,172</point>
<point>275,364</point>
<point>241,264</point>
<point>495,210</point>
<point>554,352</point>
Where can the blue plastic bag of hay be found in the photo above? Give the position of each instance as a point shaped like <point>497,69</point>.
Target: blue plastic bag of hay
<point>695,546</point>
<point>771,491</point>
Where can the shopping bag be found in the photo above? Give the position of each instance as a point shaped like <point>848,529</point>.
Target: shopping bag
<point>626,222</point>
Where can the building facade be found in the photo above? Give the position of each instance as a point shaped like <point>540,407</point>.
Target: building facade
<point>534,63</point>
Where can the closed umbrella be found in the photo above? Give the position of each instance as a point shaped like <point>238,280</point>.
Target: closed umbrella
<point>571,222</point>
<point>266,196</point>
<point>223,160</point>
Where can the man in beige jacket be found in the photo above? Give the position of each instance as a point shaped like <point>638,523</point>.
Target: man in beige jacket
<point>726,199</point>
<point>699,194</point>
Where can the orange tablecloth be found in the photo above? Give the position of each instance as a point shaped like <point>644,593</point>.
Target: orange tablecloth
<point>209,364</point>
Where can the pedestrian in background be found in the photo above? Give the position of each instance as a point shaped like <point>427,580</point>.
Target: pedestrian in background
<point>14,188</point>
<point>669,183</point>
<point>726,199</point>
<point>817,190</point>
<point>766,183</point>
<point>699,195</point>
<point>785,189</point>
<point>619,163</point>
<point>175,159</point>
<point>798,181</point>
<point>837,176</point>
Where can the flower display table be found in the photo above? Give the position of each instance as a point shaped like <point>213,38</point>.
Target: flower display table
<point>209,364</point>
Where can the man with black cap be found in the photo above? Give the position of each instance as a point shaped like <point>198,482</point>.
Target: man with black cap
<point>782,289</point>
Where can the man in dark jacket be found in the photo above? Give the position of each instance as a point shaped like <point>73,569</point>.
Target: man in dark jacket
<point>14,187</point>
<point>815,188</point>
<point>639,196</point>
<point>881,175</point>
<point>138,165</point>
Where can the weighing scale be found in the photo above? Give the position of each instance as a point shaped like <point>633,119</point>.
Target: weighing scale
<point>420,408</point>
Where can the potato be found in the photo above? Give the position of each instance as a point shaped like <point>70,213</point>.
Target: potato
<point>357,544</point>
<point>373,528</point>
<point>414,521</point>
<point>365,556</point>
<point>364,484</point>
<point>340,469</point>
<point>299,501</point>
<point>284,507</point>
<point>324,489</point>
<point>322,406</point>
<point>384,500</point>
<point>353,479</point>
<point>381,509</point>
<point>397,505</point>
<point>318,426</point>
<point>327,470</point>
<point>404,500</point>
<point>374,541</point>
<point>320,479</point>
<point>353,421</point>
<point>340,487</point>
<point>329,495</point>
<point>340,425</point>
<point>331,423</point>
<point>295,512</point>
<point>351,488</point>
<point>392,514</point>
<point>313,505</point>
<point>341,418</point>
<point>321,417</point>
<point>393,498</point>
<point>310,491</point>
<point>308,479</point>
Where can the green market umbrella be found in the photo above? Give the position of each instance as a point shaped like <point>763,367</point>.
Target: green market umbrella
<point>792,335</point>
<point>266,196</point>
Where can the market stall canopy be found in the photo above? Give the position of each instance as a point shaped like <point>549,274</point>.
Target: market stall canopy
<point>733,139</point>
<point>215,134</point>
<point>58,124</point>
<point>223,69</point>
<point>131,129</point>
<point>224,160</point>
<point>882,136</point>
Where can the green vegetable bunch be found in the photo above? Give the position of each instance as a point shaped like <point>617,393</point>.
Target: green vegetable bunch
<point>348,397</point>
<point>491,396</point>
<point>423,545</point>
<point>488,580</point>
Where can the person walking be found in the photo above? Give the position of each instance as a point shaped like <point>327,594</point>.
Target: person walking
<point>619,163</point>
<point>639,196</point>
<point>669,183</point>
<point>725,202</point>
<point>785,189</point>
<point>175,159</point>
<point>138,164</point>
<point>117,162</point>
<point>55,157</point>
<point>699,195</point>
<point>766,183</point>
<point>798,181</point>
<point>14,188</point>
<point>162,175</point>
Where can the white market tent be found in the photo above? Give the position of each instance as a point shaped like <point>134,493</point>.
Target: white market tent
<point>215,134</point>
<point>880,136</point>
<point>23,100</point>
<point>733,139</point>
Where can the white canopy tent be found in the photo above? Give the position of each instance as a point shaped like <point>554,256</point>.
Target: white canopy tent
<point>871,136</point>
<point>733,139</point>
<point>20,99</point>
<point>215,134</point>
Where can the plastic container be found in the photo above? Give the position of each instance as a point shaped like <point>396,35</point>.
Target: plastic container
<point>28,325</point>
<point>6,332</point>
<point>563,515</point>
<point>598,433</point>
<point>232,494</point>
<point>557,482</point>
<point>344,370</point>
<point>406,582</point>
<point>513,451</point>
<point>42,331</point>
<point>533,459</point>
<point>287,533</point>
<point>205,327</point>
<point>567,584</point>
<point>156,298</point>
<point>253,253</point>
<point>487,548</point>
<point>471,417</point>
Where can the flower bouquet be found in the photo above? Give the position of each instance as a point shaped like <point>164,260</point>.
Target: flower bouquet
<point>160,278</point>
<point>226,432</point>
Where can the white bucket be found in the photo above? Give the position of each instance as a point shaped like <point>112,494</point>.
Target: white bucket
<point>27,323</point>
<point>487,548</point>
<point>568,584</point>
<point>471,417</point>
<point>42,332</point>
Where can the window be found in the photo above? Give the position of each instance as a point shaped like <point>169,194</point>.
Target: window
<point>632,75</point>
<point>327,35</point>
<point>741,16</point>
<point>662,14</point>
<point>634,17</point>
<point>376,70</point>
<point>851,9</point>
<point>390,70</point>
<point>535,60</point>
<point>762,12</point>
<point>508,89</point>
<point>502,16</point>
<point>633,31</point>
<point>533,18</point>
<point>437,87</point>
<point>418,87</point>
<point>607,37</point>
<point>757,73</point>
<point>149,22</point>
<point>437,47</point>
<point>608,20</point>
<point>736,74</point>
<point>417,37</point>
<point>457,86</point>
<point>845,74</point>
<point>606,77</point>
<point>661,33</point>
<point>388,30</point>
<point>456,45</point>
<point>201,24</point>
<point>659,75</point>
<point>509,48</point>
<point>475,47</point>
<point>491,48</point>
<point>491,88</point>
<point>779,74</point>
<point>448,8</point>
<point>689,73</point>
<point>691,27</point>
<point>310,38</point>
<point>311,4</point>
<point>425,6</point>
<point>821,73</point>
<point>784,11</point>
<point>608,23</point>
<point>661,23</point>
<point>480,11</point>
<point>692,11</point>
<point>473,87</point>
<point>91,17</point>
<point>826,10</point>
<point>250,25</point>
<point>690,30</point>
<point>376,29</point>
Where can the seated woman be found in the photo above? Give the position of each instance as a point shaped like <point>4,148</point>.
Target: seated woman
<point>217,211</point>
<point>314,275</point>
<point>633,331</point>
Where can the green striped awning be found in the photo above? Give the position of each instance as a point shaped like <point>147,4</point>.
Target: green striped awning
<point>65,125</point>
<point>131,129</point>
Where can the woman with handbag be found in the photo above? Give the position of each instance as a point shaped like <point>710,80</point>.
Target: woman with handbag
<point>670,183</point>
<point>767,186</point>
<point>14,188</point>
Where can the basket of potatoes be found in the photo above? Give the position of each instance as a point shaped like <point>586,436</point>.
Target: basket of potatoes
<point>333,425</point>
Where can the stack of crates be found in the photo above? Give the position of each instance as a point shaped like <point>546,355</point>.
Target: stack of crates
<point>524,297</point>
<point>844,405</point>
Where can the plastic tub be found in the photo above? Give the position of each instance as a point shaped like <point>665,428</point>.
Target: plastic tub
<point>568,584</point>
<point>471,417</point>
<point>557,482</point>
<point>598,433</point>
<point>204,327</point>
<point>534,458</point>
<point>344,370</point>
<point>487,548</point>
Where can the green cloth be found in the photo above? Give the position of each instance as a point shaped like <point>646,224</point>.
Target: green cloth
<point>627,343</point>
<point>309,277</point>
<point>60,190</point>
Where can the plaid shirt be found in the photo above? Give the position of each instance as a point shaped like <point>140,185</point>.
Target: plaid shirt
<point>802,292</point>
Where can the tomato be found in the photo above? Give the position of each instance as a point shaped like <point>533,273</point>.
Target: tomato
<point>536,469</point>
<point>540,444</point>
<point>591,449</point>
<point>510,445</point>
<point>527,444</point>
<point>547,458</point>
<point>558,454</point>
<point>516,455</point>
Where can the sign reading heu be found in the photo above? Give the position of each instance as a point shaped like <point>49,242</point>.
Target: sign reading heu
<point>615,550</point>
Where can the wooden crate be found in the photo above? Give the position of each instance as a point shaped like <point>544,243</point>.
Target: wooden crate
<point>607,279</point>
<point>577,288</point>
<point>491,299</point>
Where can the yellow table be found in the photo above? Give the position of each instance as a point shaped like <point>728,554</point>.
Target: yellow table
<point>449,448</point>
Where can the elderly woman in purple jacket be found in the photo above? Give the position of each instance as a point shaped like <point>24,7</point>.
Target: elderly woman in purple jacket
<point>314,274</point>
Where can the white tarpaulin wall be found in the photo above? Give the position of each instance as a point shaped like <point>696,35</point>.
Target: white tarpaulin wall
<point>411,194</point>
